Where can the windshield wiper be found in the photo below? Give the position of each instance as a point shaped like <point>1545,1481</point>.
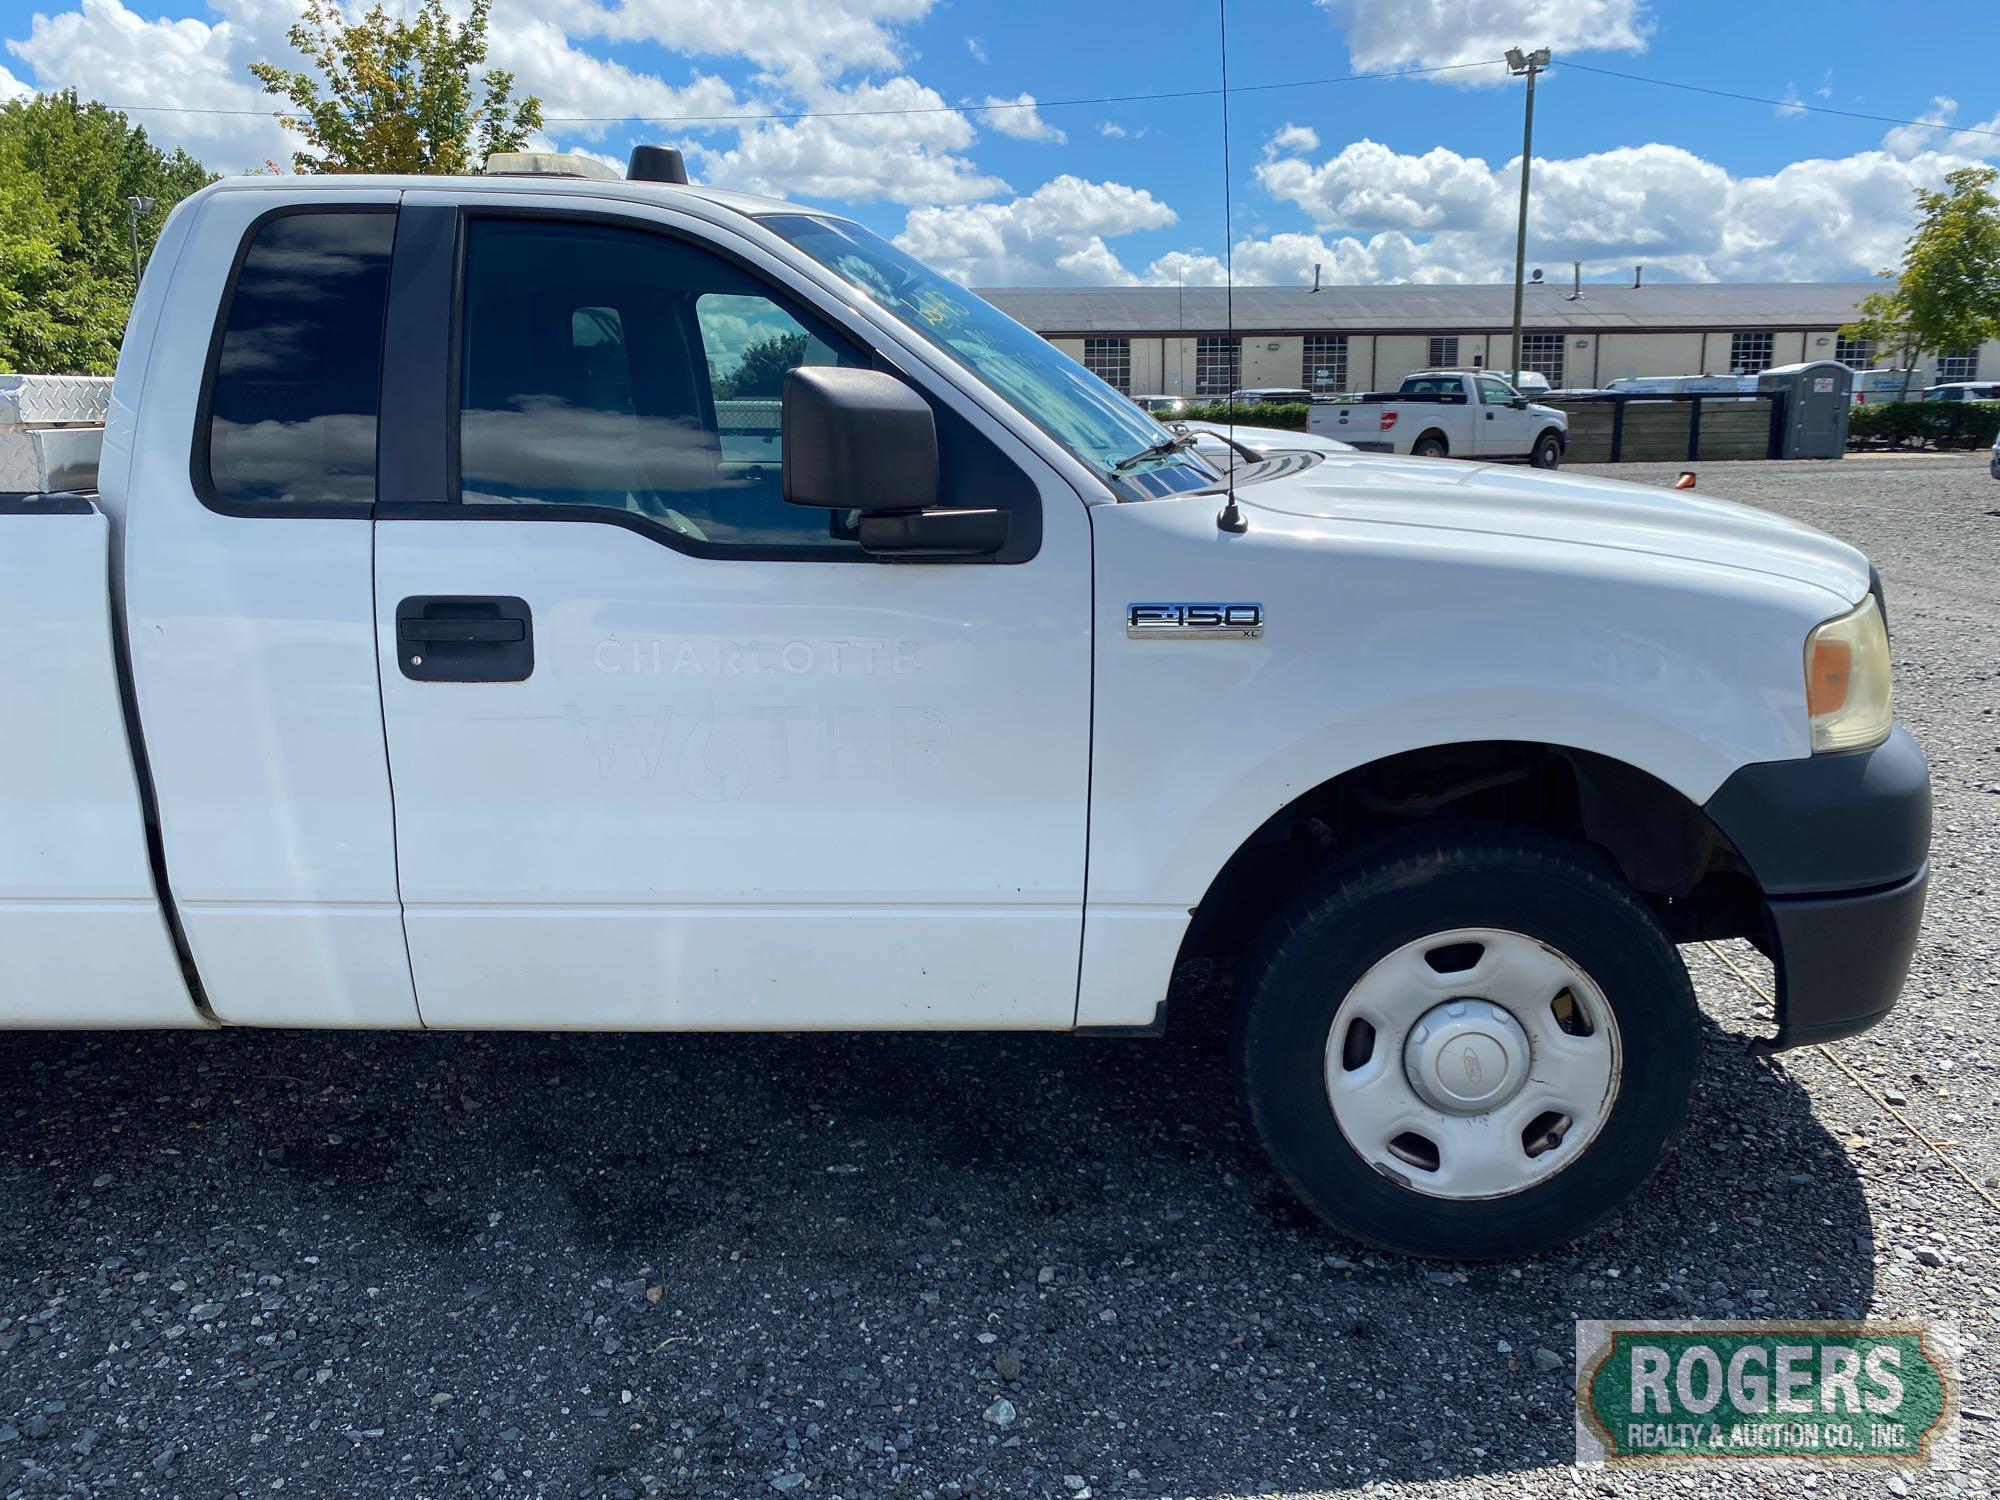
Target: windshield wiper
<point>1173,443</point>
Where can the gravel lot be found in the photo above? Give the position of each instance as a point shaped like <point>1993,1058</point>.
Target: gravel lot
<point>407,1266</point>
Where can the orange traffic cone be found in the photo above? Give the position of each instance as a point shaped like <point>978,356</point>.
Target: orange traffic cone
<point>1686,481</point>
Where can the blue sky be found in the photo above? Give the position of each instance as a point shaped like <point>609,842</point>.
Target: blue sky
<point>1397,179</point>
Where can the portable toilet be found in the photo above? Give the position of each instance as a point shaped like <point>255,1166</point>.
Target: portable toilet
<point>1817,397</point>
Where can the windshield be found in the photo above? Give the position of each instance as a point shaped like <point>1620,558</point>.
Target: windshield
<point>1052,390</point>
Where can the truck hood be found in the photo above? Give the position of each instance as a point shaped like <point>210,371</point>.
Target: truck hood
<point>1451,494</point>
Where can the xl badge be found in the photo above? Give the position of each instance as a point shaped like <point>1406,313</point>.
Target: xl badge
<point>1194,622</point>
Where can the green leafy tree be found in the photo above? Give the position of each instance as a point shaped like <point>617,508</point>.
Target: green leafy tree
<point>765,363</point>
<point>66,170</point>
<point>394,95</point>
<point>1948,294</point>
<point>1884,320</point>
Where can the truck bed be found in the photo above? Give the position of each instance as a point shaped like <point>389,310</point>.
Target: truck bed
<point>83,939</point>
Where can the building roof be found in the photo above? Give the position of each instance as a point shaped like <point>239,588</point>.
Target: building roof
<point>1056,311</point>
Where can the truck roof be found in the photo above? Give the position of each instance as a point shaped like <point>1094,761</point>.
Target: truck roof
<point>296,186</point>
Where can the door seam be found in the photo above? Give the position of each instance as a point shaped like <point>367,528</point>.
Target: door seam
<point>389,768</point>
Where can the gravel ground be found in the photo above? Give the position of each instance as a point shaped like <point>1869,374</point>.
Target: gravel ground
<point>940,1266</point>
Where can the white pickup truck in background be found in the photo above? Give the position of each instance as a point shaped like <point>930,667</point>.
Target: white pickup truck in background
<point>460,637</point>
<point>1446,414</point>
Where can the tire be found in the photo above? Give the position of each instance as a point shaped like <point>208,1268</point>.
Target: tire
<point>1480,1185</point>
<point>1547,452</point>
<point>1430,445</point>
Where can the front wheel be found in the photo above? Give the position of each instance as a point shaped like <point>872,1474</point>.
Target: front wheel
<point>1472,1046</point>
<point>1548,452</point>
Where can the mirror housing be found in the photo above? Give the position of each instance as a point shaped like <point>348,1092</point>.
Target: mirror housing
<point>856,440</point>
<point>1519,403</point>
<point>861,440</point>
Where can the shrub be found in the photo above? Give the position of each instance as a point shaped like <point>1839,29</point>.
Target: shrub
<point>1937,424</point>
<point>1290,415</point>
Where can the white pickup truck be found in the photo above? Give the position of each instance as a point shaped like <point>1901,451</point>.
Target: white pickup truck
<point>1446,414</point>
<point>432,655</point>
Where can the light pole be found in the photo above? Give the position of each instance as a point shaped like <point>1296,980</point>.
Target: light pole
<point>1521,65</point>
<point>136,209</point>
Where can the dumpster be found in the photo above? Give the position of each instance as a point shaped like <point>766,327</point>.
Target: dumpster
<point>1816,398</point>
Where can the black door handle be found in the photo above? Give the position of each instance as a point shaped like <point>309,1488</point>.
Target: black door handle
<point>464,632</point>
<point>465,638</point>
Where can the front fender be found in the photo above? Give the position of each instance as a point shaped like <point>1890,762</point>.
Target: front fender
<point>1380,640</point>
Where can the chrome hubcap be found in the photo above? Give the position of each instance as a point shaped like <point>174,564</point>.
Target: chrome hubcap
<point>1473,1063</point>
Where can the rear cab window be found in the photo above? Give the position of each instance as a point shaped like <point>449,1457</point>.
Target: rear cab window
<point>293,389</point>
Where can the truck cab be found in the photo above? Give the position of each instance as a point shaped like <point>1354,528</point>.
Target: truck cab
<point>1447,414</point>
<point>550,602</point>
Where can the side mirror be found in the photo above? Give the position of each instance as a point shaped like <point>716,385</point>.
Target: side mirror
<point>862,440</point>
<point>857,440</point>
<point>1519,403</point>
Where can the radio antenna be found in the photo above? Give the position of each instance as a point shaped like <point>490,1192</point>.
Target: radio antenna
<point>1230,519</point>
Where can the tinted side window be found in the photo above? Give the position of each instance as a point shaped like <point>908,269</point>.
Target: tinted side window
<point>1495,392</point>
<point>616,368</point>
<point>296,388</point>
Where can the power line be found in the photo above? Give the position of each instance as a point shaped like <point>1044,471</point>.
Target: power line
<point>1141,98</point>
<point>1798,104</point>
<point>928,109</point>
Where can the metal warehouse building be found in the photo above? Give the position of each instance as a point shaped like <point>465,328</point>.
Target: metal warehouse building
<point>1171,341</point>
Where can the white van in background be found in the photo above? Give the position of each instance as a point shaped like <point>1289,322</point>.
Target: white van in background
<point>1873,387</point>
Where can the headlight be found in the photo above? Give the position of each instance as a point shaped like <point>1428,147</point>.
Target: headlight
<point>1847,680</point>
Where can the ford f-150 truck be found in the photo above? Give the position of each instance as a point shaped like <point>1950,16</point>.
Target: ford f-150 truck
<point>1447,414</point>
<point>432,654</point>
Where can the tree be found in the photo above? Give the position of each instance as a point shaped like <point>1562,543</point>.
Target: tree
<point>390,95</point>
<point>1948,295</point>
<point>1885,322</point>
<point>66,169</point>
<point>764,366</point>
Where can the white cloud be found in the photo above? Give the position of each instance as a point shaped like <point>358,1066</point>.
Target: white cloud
<point>112,53</point>
<point>858,157</point>
<point>1289,259</point>
<point>1111,130</point>
<point>1791,107</point>
<point>805,44</point>
<point>977,48</point>
<point>1289,140</point>
<point>1017,117</point>
<point>108,52</point>
<point>1930,133</point>
<point>1444,216</point>
<point>1440,33</point>
<point>1055,234</point>
<point>12,87</point>
<point>573,83</point>
<point>1371,186</point>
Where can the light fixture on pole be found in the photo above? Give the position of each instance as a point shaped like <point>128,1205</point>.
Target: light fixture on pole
<point>1523,65</point>
<point>135,209</point>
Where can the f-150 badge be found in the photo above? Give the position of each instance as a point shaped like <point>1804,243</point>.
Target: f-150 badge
<point>1194,622</point>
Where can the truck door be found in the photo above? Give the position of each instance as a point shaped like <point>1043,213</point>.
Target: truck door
<point>667,751</point>
<point>248,597</point>
<point>1500,430</point>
